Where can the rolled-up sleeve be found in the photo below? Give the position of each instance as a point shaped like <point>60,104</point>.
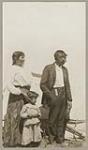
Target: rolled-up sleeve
<point>12,89</point>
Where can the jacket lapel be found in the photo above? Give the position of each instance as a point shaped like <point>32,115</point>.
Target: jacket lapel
<point>52,76</point>
<point>64,75</point>
<point>54,73</point>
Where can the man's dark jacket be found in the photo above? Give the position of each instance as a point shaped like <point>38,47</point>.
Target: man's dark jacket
<point>47,82</point>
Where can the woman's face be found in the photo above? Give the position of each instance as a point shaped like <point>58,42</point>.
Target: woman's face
<point>21,60</point>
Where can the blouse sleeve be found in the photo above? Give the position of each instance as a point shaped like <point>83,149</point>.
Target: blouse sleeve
<point>12,89</point>
<point>10,85</point>
<point>19,77</point>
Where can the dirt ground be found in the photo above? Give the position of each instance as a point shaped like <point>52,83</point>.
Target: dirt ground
<point>67,144</point>
<point>72,143</point>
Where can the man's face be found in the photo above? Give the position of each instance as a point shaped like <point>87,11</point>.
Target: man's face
<point>61,59</point>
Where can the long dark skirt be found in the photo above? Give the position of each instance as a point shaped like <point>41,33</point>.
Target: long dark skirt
<point>12,135</point>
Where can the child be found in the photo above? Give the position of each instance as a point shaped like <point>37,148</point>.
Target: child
<point>31,135</point>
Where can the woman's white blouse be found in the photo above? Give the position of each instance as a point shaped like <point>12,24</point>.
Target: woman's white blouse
<point>18,77</point>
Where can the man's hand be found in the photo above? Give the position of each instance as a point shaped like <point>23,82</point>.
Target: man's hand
<point>69,104</point>
<point>68,109</point>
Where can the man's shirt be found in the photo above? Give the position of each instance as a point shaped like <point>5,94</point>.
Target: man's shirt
<point>59,82</point>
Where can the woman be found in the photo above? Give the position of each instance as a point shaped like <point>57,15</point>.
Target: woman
<point>18,80</point>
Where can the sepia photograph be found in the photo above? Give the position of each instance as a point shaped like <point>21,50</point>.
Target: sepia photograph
<point>44,75</point>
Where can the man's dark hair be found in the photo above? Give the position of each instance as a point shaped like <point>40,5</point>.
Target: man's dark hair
<point>59,51</point>
<point>16,56</point>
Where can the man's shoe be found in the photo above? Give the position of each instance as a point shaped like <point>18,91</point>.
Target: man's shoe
<point>59,140</point>
<point>51,139</point>
<point>64,144</point>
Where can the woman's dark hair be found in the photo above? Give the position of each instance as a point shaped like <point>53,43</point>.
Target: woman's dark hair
<point>16,56</point>
<point>59,51</point>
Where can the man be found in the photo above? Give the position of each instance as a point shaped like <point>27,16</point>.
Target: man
<point>57,95</point>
